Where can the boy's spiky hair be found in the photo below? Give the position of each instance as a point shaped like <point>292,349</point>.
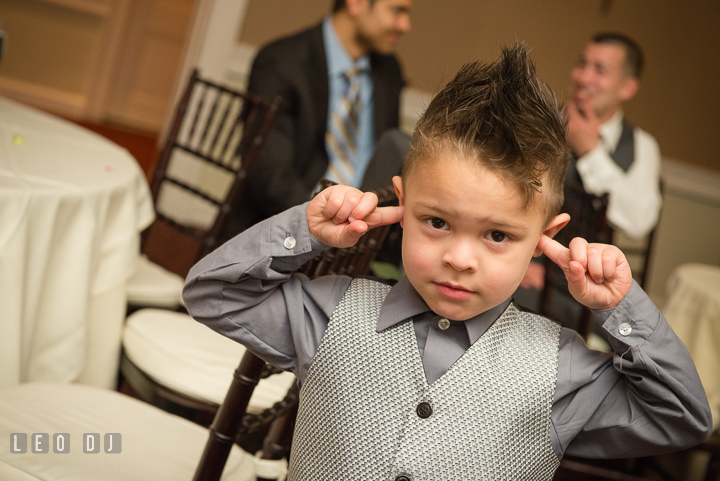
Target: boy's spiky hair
<point>502,115</point>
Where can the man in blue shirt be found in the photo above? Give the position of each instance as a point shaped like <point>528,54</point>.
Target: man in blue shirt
<point>307,70</point>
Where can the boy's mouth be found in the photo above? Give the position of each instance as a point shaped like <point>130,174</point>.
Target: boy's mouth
<point>452,291</point>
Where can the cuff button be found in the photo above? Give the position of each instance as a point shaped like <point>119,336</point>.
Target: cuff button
<point>289,242</point>
<point>625,329</point>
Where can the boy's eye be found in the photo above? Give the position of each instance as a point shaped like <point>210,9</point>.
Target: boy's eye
<point>498,236</point>
<point>437,223</point>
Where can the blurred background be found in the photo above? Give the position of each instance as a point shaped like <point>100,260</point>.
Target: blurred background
<point>116,66</point>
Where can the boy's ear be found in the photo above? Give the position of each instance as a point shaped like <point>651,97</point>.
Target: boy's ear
<point>557,223</point>
<point>397,184</point>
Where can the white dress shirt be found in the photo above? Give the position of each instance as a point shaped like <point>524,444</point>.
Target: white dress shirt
<point>634,196</point>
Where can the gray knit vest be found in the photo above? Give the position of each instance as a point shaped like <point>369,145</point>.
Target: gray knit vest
<point>362,407</point>
<point>623,156</point>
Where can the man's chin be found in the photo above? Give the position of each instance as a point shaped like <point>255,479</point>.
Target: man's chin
<point>387,47</point>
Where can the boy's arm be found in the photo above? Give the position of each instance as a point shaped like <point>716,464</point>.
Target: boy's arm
<point>246,289</point>
<point>646,397</point>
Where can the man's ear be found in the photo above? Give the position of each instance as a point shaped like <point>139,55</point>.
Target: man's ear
<point>629,88</point>
<point>557,223</point>
<point>397,184</point>
<point>357,7</point>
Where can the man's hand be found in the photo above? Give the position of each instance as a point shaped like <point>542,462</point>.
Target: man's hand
<point>598,274</point>
<point>339,215</point>
<point>583,127</point>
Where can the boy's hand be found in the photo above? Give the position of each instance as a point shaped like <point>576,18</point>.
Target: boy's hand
<point>598,274</point>
<point>339,215</point>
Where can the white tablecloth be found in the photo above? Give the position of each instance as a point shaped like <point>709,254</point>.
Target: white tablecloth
<point>693,310</point>
<point>72,205</point>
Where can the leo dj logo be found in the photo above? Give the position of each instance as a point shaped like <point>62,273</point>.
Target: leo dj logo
<point>40,443</point>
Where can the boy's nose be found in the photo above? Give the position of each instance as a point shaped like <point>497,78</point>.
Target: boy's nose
<point>461,257</point>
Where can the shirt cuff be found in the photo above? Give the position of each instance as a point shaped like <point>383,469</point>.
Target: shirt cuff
<point>633,321</point>
<point>290,243</point>
<point>597,171</point>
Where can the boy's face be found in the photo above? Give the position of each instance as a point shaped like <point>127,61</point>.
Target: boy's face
<point>467,241</point>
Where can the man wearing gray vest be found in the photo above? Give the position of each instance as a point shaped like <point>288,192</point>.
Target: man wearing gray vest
<point>612,156</point>
<point>609,155</point>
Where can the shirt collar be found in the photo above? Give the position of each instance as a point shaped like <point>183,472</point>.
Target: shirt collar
<point>403,302</point>
<point>338,60</point>
<point>611,130</point>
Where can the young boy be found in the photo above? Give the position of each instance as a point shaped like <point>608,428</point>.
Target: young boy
<point>441,377</point>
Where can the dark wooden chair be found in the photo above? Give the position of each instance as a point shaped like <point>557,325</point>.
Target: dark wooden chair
<point>213,143</point>
<point>573,469</point>
<point>639,252</point>
<point>231,421</point>
<point>711,446</point>
<point>587,220</point>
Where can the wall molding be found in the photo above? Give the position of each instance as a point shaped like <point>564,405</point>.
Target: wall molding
<point>690,181</point>
<point>98,8</point>
<point>61,102</point>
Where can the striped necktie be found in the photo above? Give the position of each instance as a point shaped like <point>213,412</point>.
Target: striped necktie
<point>341,138</point>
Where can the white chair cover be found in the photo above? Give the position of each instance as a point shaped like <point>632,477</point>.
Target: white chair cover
<point>153,286</point>
<point>180,353</point>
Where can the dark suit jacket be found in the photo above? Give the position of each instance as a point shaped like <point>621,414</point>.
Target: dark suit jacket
<point>294,158</point>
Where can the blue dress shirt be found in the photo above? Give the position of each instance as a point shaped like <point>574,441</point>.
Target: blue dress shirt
<point>339,62</point>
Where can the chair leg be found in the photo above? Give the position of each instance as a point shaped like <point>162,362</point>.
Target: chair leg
<point>713,469</point>
<point>279,438</point>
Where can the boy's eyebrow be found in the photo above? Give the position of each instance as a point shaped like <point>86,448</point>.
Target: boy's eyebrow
<point>440,211</point>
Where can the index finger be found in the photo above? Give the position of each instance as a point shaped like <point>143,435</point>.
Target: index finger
<point>555,251</point>
<point>384,216</point>
<point>364,207</point>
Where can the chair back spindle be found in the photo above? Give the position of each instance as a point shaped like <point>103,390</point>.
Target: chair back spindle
<point>213,143</point>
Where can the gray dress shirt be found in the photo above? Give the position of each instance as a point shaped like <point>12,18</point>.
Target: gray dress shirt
<point>645,398</point>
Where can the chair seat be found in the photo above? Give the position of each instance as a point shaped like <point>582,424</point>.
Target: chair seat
<point>155,445</point>
<point>154,286</point>
<point>180,353</point>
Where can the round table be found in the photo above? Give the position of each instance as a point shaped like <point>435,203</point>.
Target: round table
<point>72,206</point>
<point>693,310</point>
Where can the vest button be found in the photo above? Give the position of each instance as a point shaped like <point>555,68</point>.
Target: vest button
<point>402,478</point>
<point>424,410</point>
